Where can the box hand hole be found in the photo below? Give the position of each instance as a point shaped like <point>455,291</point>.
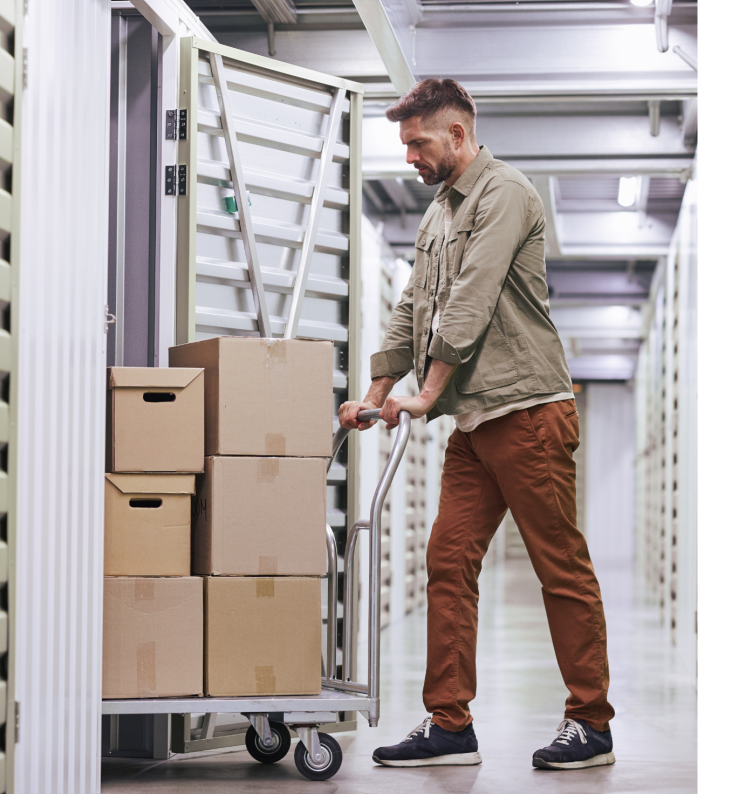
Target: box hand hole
<point>145,502</point>
<point>158,397</point>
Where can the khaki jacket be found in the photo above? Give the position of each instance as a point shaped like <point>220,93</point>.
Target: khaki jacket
<point>490,281</point>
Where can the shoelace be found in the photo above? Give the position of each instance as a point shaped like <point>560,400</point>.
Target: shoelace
<point>568,729</point>
<point>424,726</point>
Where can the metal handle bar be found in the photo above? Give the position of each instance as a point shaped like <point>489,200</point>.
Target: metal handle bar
<point>368,415</point>
<point>374,527</point>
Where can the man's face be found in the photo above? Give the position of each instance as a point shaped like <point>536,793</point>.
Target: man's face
<point>430,150</point>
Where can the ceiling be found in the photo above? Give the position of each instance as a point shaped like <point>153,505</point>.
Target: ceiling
<point>574,93</point>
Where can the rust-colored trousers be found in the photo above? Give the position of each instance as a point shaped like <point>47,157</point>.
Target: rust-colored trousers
<point>523,462</point>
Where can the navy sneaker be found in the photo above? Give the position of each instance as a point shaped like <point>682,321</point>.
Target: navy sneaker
<point>578,746</point>
<point>430,745</point>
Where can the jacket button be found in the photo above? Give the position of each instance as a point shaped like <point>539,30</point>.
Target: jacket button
<point>423,241</point>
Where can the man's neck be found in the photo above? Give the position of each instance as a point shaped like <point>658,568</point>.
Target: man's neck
<point>464,160</point>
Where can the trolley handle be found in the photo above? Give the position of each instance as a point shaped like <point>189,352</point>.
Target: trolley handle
<point>368,415</point>
<point>373,525</point>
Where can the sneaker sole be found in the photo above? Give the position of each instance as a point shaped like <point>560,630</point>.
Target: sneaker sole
<point>606,759</point>
<point>459,759</point>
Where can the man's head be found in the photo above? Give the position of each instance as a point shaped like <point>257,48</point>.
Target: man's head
<point>437,124</point>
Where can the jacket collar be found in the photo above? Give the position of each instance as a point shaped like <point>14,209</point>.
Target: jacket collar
<point>469,177</point>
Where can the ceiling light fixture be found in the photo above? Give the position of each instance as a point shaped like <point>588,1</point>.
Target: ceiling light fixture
<point>626,191</point>
<point>641,2</point>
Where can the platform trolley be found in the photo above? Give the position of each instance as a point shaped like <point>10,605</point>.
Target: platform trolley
<point>268,739</point>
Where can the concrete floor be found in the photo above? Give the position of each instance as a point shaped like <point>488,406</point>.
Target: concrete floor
<point>517,709</point>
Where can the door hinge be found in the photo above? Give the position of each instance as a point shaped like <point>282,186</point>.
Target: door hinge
<point>176,125</point>
<point>176,182</point>
<point>17,722</point>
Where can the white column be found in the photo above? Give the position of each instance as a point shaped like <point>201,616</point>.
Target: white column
<point>64,206</point>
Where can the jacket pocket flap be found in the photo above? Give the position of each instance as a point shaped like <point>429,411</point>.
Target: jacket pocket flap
<point>425,240</point>
<point>467,222</point>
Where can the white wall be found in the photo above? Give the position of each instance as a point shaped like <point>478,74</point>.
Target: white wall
<point>610,450</point>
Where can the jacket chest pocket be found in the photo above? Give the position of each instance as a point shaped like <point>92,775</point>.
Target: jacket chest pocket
<point>424,245</point>
<point>457,244</point>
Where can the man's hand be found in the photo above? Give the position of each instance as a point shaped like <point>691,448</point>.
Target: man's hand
<point>416,406</point>
<point>348,414</point>
<point>379,391</point>
<point>437,379</point>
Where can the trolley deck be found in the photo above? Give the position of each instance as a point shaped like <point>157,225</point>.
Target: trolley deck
<point>318,757</point>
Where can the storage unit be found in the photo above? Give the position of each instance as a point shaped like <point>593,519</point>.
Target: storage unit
<point>666,437</point>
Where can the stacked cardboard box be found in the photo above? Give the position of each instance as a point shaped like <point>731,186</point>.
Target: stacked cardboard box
<point>153,607</point>
<point>260,511</point>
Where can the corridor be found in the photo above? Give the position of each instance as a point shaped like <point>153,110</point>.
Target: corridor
<point>517,709</point>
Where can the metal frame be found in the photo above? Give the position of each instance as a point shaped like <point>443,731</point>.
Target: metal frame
<point>306,713</point>
<point>188,221</point>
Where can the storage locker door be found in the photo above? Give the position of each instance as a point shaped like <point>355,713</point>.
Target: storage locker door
<point>269,223</point>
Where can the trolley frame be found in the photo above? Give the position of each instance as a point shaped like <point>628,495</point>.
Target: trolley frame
<point>305,713</point>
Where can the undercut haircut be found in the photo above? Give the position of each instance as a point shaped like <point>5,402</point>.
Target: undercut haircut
<point>431,98</point>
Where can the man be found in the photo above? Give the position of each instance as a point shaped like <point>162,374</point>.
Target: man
<point>474,322</point>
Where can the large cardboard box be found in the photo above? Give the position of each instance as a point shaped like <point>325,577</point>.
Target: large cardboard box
<point>155,420</point>
<point>260,517</point>
<point>262,636</point>
<point>147,524</point>
<point>264,396</point>
<point>153,637</point>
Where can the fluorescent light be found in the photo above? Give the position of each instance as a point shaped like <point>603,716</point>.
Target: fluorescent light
<point>641,2</point>
<point>419,179</point>
<point>626,192</point>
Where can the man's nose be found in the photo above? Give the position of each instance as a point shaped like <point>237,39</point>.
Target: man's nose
<point>411,157</point>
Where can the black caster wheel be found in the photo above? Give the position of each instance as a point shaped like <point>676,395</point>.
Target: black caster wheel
<point>279,748</point>
<point>322,770</point>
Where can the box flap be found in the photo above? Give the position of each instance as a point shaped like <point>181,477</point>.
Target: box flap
<point>152,377</point>
<point>154,483</point>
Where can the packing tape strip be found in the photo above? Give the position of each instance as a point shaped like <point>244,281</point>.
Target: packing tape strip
<point>147,679</point>
<point>265,680</point>
<point>275,444</point>
<point>276,369</point>
<point>268,567</point>
<point>268,470</point>
<point>265,588</point>
<point>144,589</point>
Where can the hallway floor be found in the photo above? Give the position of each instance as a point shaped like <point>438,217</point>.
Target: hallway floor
<point>517,709</point>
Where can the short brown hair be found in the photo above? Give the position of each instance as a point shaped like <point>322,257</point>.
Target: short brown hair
<point>429,97</point>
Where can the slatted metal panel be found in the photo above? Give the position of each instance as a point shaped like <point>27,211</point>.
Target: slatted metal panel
<point>9,39</point>
<point>59,389</point>
<point>269,228</point>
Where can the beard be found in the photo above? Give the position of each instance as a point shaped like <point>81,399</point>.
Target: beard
<point>444,168</point>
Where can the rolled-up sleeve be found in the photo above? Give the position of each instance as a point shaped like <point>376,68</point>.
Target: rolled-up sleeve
<point>498,231</point>
<point>396,357</point>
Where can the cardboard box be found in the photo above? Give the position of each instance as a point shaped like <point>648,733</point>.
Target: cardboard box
<point>147,524</point>
<point>262,636</point>
<point>265,396</point>
<point>153,637</point>
<point>155,420</point>
<point>260,517</point>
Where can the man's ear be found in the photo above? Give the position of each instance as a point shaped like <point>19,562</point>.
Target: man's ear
<point>458,134</point>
